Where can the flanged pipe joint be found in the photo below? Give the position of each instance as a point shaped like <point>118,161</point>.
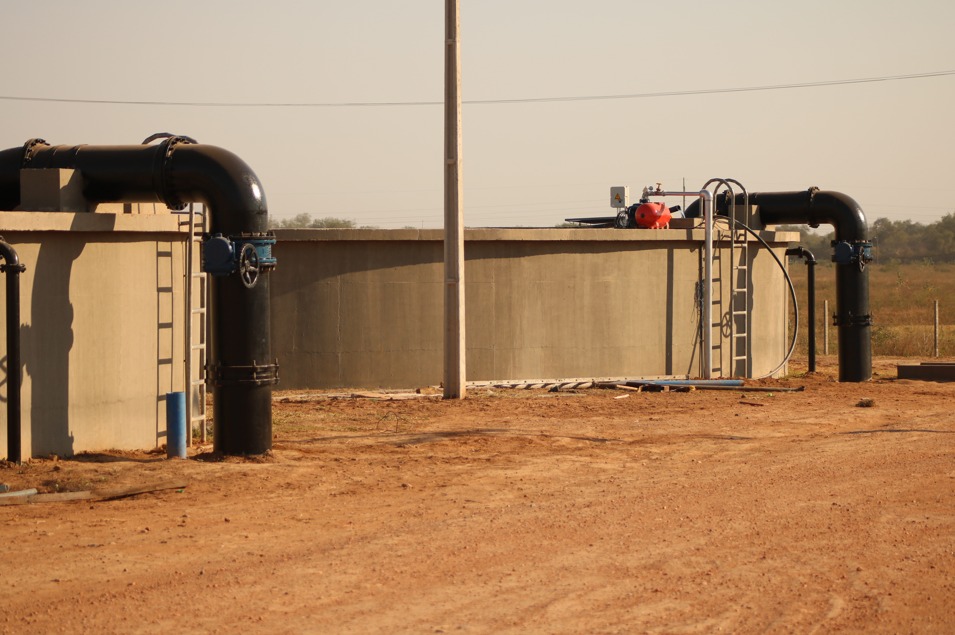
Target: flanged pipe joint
<point>175,172</point>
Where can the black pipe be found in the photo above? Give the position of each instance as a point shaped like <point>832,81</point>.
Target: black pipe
<point>176,172</point>
<point>12,267</point>
<point>851,253</point>
<point>802,252</point>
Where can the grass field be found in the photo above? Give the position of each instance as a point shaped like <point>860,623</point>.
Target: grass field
<point>902,300</point>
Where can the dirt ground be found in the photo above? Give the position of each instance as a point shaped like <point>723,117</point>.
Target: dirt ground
<point>516,511</point>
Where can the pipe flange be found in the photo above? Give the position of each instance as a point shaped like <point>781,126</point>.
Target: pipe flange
<point>167,148</point>
<point>16,268</point>
<point>30,148</point>
<point>811,219</point>
<point>259,242</point>
<point>166,135</point>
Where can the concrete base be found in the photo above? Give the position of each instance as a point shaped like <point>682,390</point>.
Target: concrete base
<point>928,371</point>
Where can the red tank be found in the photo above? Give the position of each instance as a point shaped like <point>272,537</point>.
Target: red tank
<point>652,216</point>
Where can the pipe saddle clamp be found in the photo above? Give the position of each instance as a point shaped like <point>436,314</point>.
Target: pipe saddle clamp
<point>252,374</point>
<point>851,320</point>
<point>246,254</point>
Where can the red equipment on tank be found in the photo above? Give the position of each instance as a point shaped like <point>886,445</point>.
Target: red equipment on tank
<point>652,216</point>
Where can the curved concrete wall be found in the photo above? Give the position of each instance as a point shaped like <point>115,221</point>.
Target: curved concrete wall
<point>363,308</point>
<point>103,314</point>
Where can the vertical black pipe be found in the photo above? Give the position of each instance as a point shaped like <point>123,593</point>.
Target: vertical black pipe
<point>811,293</point>
<point>12,268</point>
<point>851,255</point>
<point>811,284</point>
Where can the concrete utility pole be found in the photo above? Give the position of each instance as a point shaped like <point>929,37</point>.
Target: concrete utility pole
<point>454,340</point>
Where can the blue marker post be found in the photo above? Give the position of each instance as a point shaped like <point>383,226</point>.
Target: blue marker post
<point>176,425</point>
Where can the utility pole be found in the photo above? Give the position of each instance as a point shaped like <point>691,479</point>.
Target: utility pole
<point>454,340</point>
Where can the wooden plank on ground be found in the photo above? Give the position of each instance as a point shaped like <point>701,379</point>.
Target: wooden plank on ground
<point>59,497</point>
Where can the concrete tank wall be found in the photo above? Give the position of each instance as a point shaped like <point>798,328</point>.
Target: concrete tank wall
<point>102,319</point>
<point>364,308</point>
<point>103,315</point>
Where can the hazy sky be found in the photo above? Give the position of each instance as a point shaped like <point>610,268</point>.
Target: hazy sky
<point>890,145</point>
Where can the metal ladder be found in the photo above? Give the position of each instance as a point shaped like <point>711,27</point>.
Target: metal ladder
<point>739,296</point>
<point>716,304</point>
<point>197,302</point>
<point>737,314</point>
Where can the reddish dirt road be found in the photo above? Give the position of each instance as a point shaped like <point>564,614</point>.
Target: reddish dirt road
<point>516,512</point>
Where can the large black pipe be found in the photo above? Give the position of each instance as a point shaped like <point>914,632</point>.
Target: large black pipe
<point>852,252</point>
<point>12,268</point>
<point>802,252</point>
<point>176,172</point>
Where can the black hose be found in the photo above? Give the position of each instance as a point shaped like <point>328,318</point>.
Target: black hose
<point>792,293</point>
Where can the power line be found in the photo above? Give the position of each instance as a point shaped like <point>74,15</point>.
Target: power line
<point>484,102</point>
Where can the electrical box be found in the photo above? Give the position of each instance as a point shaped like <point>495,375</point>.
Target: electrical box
<point>620,196</point>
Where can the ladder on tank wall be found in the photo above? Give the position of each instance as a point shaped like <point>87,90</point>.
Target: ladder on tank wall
<point>731,325</point>
<point>717,320</point>
<point>197,329</point>
<point>739,296</point>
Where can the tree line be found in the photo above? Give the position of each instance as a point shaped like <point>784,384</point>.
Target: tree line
<point>305,221</point>
<point>903,241</point>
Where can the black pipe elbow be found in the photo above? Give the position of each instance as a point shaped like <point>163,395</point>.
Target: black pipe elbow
<point>11,260</point>
<point>812,207</point>
<point>843,213</point>
<point>220,180</point>
<point>801,252</point>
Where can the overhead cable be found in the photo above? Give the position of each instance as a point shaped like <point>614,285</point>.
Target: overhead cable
<point>483,102</point>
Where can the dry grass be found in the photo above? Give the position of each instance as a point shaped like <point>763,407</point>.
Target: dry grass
<point>902,303</point>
